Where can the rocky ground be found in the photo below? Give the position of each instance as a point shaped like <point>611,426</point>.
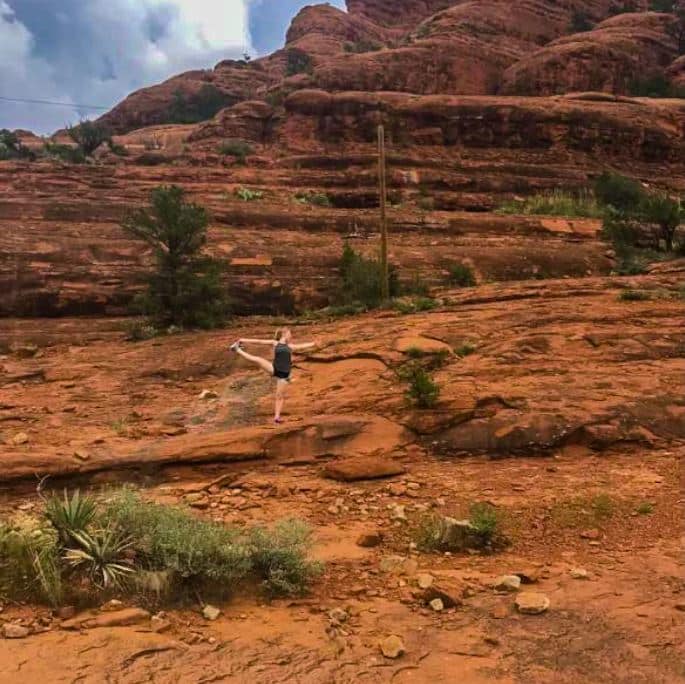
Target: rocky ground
<point>577,387</point>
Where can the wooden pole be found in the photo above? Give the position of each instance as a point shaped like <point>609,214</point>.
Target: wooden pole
<point>385,280</point>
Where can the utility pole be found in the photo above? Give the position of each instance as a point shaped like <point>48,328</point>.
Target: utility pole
<point>385,274</point>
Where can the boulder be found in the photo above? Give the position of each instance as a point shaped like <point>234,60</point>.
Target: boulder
<point>13,631</point>
<point>363,468</point>
<point>532,603</point>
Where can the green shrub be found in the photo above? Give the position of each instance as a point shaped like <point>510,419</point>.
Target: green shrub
<point>655,85</point>
<point>279,558</point>
<point>602,506</point>
<point>247,195</point>
<point>101,556</point>
<point>318,199</point>
<point>363,45</point>
<point>240,149</point>
<point>423,392</point>
<point>620,192</point>
<point>666,214</point>
<point>11,147</point>
<point>118,150</point>
<point>30,561</point>
<point>196,553</point>
<point>185,290</point>
<point>362,279</point>
<point>580,22</point>
<point>65,153</point>
<point>196,107</point>
<point>465,350</point>
<point>485,521</point>
<point>634,296</point>
<point>461,275</point>
<point>89,135</point>
<point>645,508</point>
<point>411,305</point>
<point>556,203</point>
<point>298,62</point>
<point>140,331</point>
<point>426,203</point>
<point>70,515</point>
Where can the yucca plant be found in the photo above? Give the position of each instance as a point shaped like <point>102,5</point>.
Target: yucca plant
<point>101,555</point>
<point>70,515</point>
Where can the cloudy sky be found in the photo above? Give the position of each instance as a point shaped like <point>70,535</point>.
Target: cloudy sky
<point>94,52</point>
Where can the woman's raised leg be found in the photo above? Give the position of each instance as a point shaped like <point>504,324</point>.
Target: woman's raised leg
<point>265,365</point>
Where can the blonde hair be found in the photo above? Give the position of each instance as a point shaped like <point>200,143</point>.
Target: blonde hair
<point>280,332</point>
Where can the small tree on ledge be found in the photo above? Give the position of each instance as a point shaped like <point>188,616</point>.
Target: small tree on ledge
<point>185,289</point>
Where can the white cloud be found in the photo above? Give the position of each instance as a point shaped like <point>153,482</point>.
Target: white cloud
<point>99,51</point>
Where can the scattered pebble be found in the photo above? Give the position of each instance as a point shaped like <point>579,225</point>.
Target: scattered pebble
<point>507,583</point>
<point>579,573</point>
<point>210,612</point>
<point>437,605</point>
<point>392,647</point>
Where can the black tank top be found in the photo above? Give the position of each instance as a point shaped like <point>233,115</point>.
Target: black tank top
<point>283,358</point>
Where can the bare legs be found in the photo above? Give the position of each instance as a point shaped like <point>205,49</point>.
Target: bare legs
<point>281,385</point>
<point>281,390</point>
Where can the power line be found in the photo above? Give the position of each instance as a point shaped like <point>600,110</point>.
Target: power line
<point>56,104</point>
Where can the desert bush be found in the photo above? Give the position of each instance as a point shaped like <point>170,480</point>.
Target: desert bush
<point>298,62</point>
<point>620,192</point>
<point>185,290</point>
<point>556,203</point>
<point>247,195</point>
<point>30,561</point>
<point>482,531</point>
<point>101,556</point>
<point>645,508</point>
<point>196,107</point>
<point>422,390</point>
<point>465,350</point>
<point>580,22</point>
<point>70,515</point>
<point>279,558</point>
<point>140,331</point>
<point>363,45</point>
<point>65,153</point>
<point>161,552</point>
<point>412,305</point>
<point>89,135</point>
<point>234,147</point>
<point>318,199</point>
<point>362,279</point>
<point>634,296</point>
<point>665,214</point>
<point>118,150</point>
<point>461,275</point>
<point>11,147</point>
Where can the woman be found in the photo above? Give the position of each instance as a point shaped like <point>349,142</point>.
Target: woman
<point>281,367</point>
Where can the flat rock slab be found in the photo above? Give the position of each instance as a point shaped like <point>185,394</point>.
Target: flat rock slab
<point>119,618</point>
<point>363,468</point>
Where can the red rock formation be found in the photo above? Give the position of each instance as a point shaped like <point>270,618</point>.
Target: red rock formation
<point>609,58</point>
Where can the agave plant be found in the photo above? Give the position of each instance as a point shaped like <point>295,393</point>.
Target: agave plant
<point>102,555</point>
<point>70,516</point>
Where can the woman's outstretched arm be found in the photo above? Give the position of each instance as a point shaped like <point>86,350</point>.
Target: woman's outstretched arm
<point>304,345</point>
<point>266,343</point>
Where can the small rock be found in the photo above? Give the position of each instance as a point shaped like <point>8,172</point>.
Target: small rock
<point>206,395</point>
<point>113,604</point>
<point>507,583</point>
<point>397,489</point>
<point>392,647</point>
<point>399,513</point>
<point>579,573</point>
<point>159,625</point>
<point>81,455</point>
<point>528,576</point>
<point>370,540</point>
<point>590,534</point>
<point>210,612</point>
<point>12,631</point>
<point>499,612</point>
<point>425,581</point>
<point>338,615</point>
<point>19,439</point>
<point>449,600</point>
<point>531,603</point>
<point>680,607</point>
<point>66,612</point>
<point>437,605</point>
